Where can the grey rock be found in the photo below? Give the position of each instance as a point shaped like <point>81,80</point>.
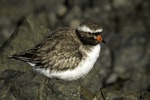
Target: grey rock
<point>30,32</point>
<point>109,94</point>
<point>10,13</point>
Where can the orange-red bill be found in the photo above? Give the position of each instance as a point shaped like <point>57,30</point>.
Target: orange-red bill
<point>99,38</point>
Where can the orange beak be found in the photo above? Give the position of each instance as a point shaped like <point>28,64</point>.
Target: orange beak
<point>99,39</point>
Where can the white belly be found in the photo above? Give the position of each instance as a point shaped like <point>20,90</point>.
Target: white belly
<point>83,68</point>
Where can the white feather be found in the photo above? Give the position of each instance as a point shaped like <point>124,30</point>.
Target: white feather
<point>83,68</point>
<point>87,29</point>
<point>31,64</point>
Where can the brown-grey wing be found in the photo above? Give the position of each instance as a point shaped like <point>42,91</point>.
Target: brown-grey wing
<point>59,51</point>
<point>32,56</point>
<point>63,55</point>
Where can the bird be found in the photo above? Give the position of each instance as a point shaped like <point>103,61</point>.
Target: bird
<point>66,53</point>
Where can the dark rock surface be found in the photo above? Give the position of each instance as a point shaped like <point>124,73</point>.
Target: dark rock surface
<point>121,73</point>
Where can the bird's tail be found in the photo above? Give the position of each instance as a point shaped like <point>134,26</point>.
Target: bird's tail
<point>24,56</point>
<point>20,57</point>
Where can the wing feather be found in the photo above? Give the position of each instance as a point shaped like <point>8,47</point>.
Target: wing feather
<point>57,52</point>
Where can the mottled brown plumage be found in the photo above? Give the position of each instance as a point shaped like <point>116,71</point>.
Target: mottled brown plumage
<point>59,51</point>
<point>63,49</point>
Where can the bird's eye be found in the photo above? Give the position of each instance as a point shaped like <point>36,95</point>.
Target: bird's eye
<point>89,33</point>
<point>98,33</point>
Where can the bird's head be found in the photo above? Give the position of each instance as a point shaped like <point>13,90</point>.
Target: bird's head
<point>89,32</point>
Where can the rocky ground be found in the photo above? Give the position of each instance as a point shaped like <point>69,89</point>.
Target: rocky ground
<point>121,73</point>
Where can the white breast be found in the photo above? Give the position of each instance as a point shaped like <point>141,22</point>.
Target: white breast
<point>83,68</point>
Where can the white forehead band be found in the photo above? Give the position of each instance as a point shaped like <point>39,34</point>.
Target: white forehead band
<point>86,29</point>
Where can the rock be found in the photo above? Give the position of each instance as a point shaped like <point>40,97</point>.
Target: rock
<point>31,86</point>
<point>109,94</point>
<point>11,13</point>
<point>29,33</point>
<point>61,10</point>
<point>74,23</point>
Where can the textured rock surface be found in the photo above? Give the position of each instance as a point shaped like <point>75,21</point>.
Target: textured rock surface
<point>121,73</point>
